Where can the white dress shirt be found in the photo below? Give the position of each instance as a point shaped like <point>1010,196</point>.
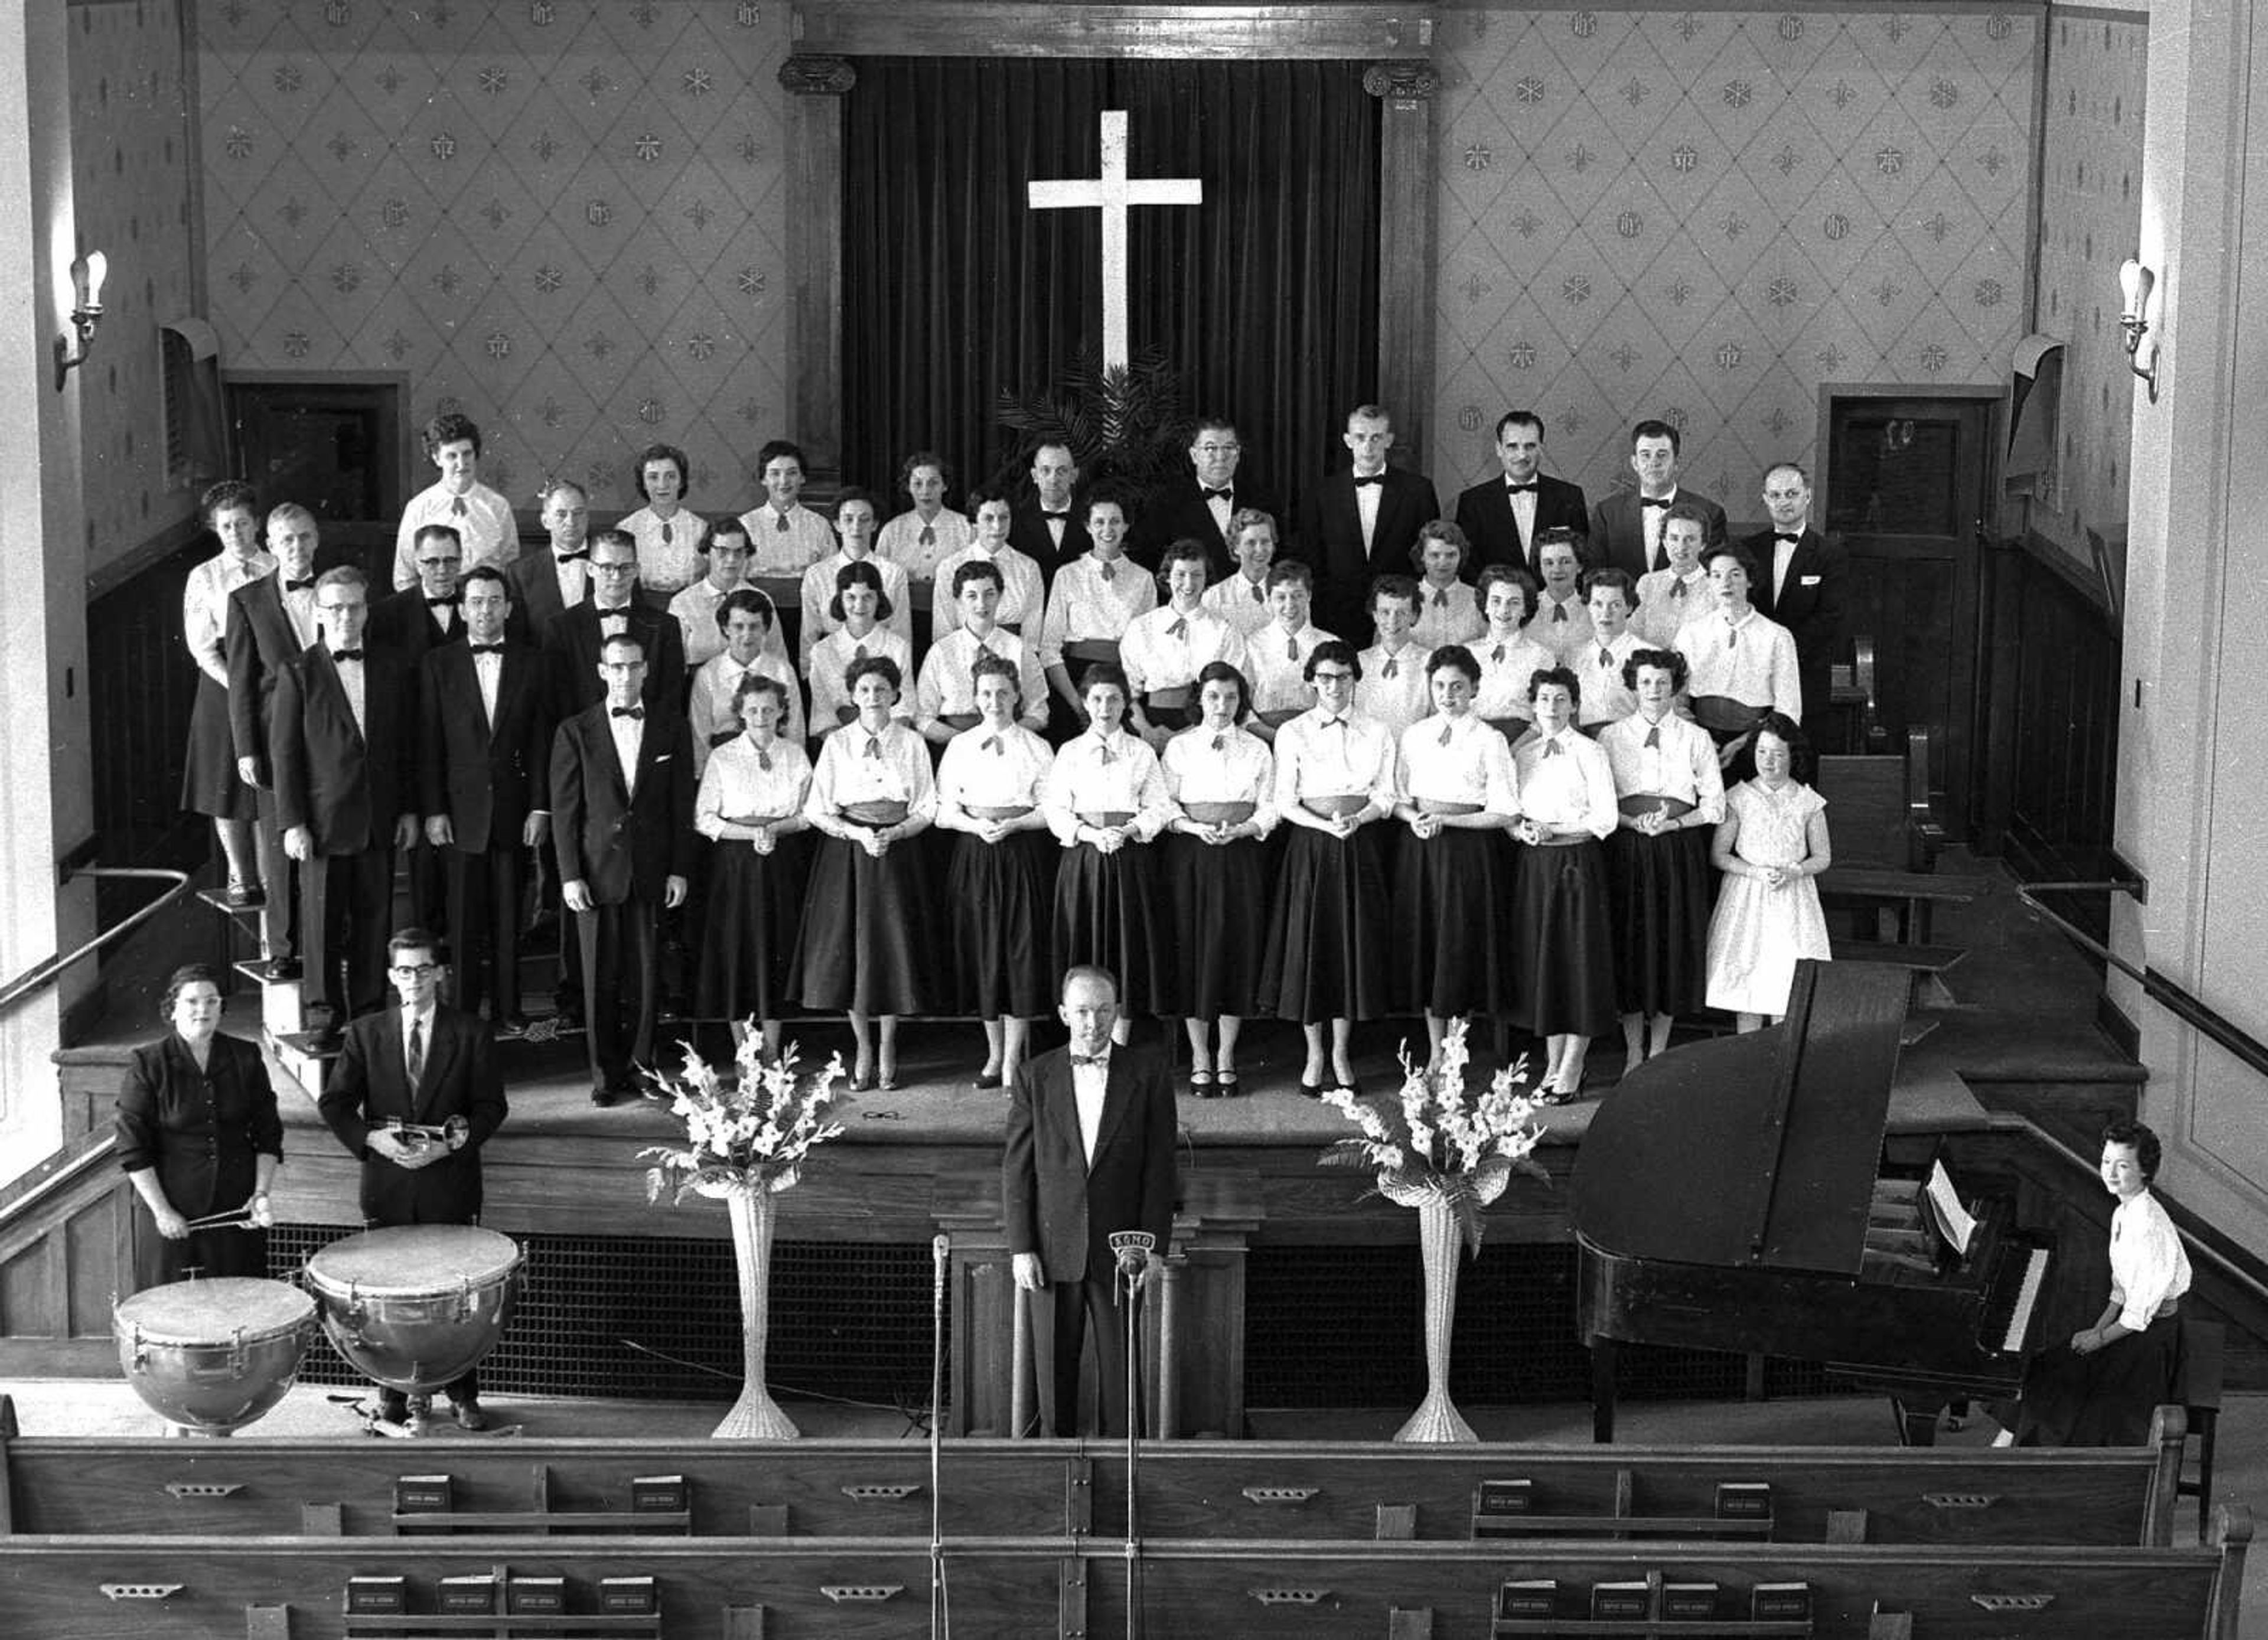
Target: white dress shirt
<point>1116,774</point>
<point>737,787</point>
<point>1680,762</point>
<point>1276,662</point>
<point>1231,765</point>
<point>818,597</point>
<point>1394,688</point>
<point>785,543</point>
<point>1093,602</point>
<point>204,606</point>
<point>1090,1085</point>
<point>1565,780</point>
<point>1459,760</point>
<point>1561,628</point>
<point>2149,1269</point>
<point>1023,594</point>
<point>1667,601</point>
<point>1241,601</point>
<point>990,769</point>
<point>1505,668</point>
<point>709,709</point>
<point>830,665</point>
<point>1605,696</point>
<point>357,685</point>
<point>947,685</point>
<point>901,540</point>
<point>667,549</point>
<point>482,519</point>
<point>1318,755</point>
<point>1167,648</point>
<point>629,735</point>
<point>855,766</point>
<point>1448,614</point>
<point>1742,656</point>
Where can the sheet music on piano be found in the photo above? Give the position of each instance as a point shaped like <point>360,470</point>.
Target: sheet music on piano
<point>1952,1220</point>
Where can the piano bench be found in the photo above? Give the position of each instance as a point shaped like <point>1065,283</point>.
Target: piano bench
<point>2196,1386</point>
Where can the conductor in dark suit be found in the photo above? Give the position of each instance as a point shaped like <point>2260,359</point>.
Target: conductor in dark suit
<point>621,826</point>
<point>1199,503</point>
<point>483,782</point>
<point>1089,1152</point>
<point>615,608</point>
<point>1502,517</point>
<point>429,1065</point>
<point>1048,526</point>
<point>1626,525</point>
<point>544,584</point>
<point>269,622</point>
<point>1362,523</point>
<point>346,790</point>
<point>1799,585</point>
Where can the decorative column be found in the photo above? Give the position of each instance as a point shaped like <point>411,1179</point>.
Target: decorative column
<point>1405,86</point>
<point>814,251</point>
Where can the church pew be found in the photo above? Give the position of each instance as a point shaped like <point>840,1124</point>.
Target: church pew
<point>1228,1490</point>
<point>161,1588</point>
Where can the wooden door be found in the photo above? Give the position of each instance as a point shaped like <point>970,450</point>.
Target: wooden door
<point>1906,484</point>
<point>335,447</point>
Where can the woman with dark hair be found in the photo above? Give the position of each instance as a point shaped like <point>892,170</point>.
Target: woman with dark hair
<point>999,885</point>
<point>2100,1388</point>
<point>854,527</point>
<point>198,1135</point>
<point>1449,610</point>
<point>860,605</point>
<point>669,537</point>
<point>753,791</point>
<point>1508,655</point>
<point>211,783</point>
<point>1660,882</point>
<point>868,946</point>
<point>1221,778</point>
<point>748,624</point>
<point>928,532</point>
<point>1771,847</point>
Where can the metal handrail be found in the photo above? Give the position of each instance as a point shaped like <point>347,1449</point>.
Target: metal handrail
<point>46,971</point>
<point>2235,1275</point>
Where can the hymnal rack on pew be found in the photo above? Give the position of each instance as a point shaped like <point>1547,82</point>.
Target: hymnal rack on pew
<point>500,1602</point>
<point>1509,1509</point>
<point>427,1503</point>
<point>1651,1605</point>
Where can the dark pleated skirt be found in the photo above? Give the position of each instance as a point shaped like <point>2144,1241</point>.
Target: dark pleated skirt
<point>1109,911</point>
<point>998,898</point>
<point>1663,889</point>
<point>869,939</point>
<point>750,917</point>
<point>2101,1399</point>
<point>1452,954</point>
<point>1328,936</point>
<point>1563,966</point>
<point>209,782</point>
<point>1220,896</point>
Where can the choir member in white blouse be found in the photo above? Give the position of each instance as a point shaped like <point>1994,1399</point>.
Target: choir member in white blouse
<point>861,607</point>
<point>784,536</point>
<point>1241,599</point>
<point>1222,780</point>
<point>928,532</point>
<point>1451,873</point>
<point>1508,657</point>
<point>1561,624</point>
<point>869,944</point>
<point>1667,598</point>
<point>751,804</point>
<point>1448,611</point>
<point>1094,599</point>
<point>1329,937</point>
<point>1661,886</point>
<point>1275,656</point>
<point>1598,665</point>
<point>669,536</point>
<point>1000,887</point>
<point>1741,664</point>
<point>1023,591</point>
<point>724,549</point>
<point>744,624</point>
<point>211,783</point>
<point>1563,972</point>
<point>854,523</point>
<point>1169,647</point>
<point>944,701</point>
<point>1105,800</point>
<point>1394,689</point>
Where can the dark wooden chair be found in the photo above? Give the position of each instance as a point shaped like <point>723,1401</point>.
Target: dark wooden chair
<point>2197,1361</point>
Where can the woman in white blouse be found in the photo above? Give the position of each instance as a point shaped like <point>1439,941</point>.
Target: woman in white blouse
<point>868,946</point>
<point>1507,655</point>
<point>1451,873</point>
<point>210,784</point>
<point>1449,610</point>
<point>861,606</point>
<point>751,805</point>
<point>669,536</point>
<point>1166,648</point>
<point>1222,780</point>
<point>1661,884</point>
<point>999,888</point>
<point>929,532</point>
<point>1105,800</point>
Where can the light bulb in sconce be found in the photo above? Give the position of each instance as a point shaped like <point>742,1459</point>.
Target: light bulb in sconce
<point>2135,283</point>
<point>89,273</point>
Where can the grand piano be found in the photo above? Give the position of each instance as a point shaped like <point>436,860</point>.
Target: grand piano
<point>1730,1195</point>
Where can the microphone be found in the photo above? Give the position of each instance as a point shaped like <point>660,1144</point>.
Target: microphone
<point>1132,1249</point>
<point>939,1245</point>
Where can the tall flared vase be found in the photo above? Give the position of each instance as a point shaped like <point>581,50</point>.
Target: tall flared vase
<point>1437,1418</point>
<point>756,1415</point>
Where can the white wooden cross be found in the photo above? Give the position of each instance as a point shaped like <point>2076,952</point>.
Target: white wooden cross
<point>1112,193</point>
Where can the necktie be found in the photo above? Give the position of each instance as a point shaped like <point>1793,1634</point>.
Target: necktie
<point>1732,635</point>
<point>299,587</point>
<point>1653,738</point>
<point>1362,482</point>
<point>486,649</point>
<point>577,556</point>
<point>1529,489</point>
<point>873,745</point>
<point>1654,501</point>
<point>929,535</point>
<point>1497,654</point>
<point>1551,748</point>
<point>1606,657</point>
<point>1218,495</point>
<point>1220,742</point>
<point>858,651</point>
<point>764,761</point>
<point>1109,571</point>
<point>1446,729</point>
<point>1393,665</point>
<point>415,1061</point>
<point>444,601</point>
<point>665,534</point>
<point>346,654</point>
<point>636,714</point>
<point>779,523</point>
<point>1259,595</point>
<point>1291,649</point>
<point>991,743</point>
<point>1677,589</point>
<point>1180,628</point>
<point>1100,1062</point>
<point>1441,599</point>
<point>457,506</point>
<point>1108,756</point>
<point>1558,612</point>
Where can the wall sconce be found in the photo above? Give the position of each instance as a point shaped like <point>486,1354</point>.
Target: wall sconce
<point>2135,283</point>
<point>88,274</point>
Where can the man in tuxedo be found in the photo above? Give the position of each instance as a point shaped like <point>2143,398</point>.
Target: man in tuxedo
<point>428,1066</point>
<point>1362,524</point>
<point>621,828</point>
<point>411,622</point>
<point>1502,517</point>
<point>614,608</point>
<point>270,621</point>
<point>1626,526</point>
<point>1048,527</point>
<point>544,584</point>
<point>339,744</point>
<point>1089,1152</point>
<point>484,773</point>
<point>1799,583</point>
<point>1199,503</point>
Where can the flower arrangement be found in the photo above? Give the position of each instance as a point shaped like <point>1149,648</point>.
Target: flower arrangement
<point>1438,1140</point>
<point>751,1135</point>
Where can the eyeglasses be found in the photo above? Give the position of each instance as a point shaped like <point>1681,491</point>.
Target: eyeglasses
<point>618,566</point>
<point>1215,449</point>
<point>416,970</point>
<point>338,606</point>
<point>438,563</point>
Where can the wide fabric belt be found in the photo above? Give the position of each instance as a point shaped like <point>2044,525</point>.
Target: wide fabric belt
<point>1104,820</point>
<point>1220,813</point>
<point>959,720</point>
<point>1173,699</point>
<point>998,811</point>
<point>1443,806</point>
<point>1723,716</point>
<point>876,811</point>
<point>1645,802</point>
<point>1091,649</point>
<point>1555,840</point>
<point>1337,805</point>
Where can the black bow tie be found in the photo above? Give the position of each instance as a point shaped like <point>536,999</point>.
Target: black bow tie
<point>346,654</point>
<point>578,556</point>
<point>1221,495</point>
<point>447,600</point>
<point>1788,535</point>
<point>1100,1062</point>
<point>299,587</point>
<point>636,714</point>
<point>1654,501</point>
<point>1373,478</point>
<point>1529,489</point>
<point>486,649</point>
<point>1046,514</point>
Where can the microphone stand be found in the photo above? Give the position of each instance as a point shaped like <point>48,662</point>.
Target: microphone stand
<point>1133,1249</point>
<point>940,1621</point>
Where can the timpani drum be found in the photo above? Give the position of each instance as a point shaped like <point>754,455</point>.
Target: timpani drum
<point>212,1356</point>
<point>416,1307</point>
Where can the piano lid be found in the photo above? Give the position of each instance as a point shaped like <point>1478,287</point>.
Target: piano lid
<point>1757,1150</point>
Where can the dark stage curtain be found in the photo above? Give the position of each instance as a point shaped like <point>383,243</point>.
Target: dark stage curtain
<point>1265,296</point>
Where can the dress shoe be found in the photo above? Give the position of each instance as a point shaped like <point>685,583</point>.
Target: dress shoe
<point>1310,1090</point>
<point>861,1082</point>
<point>468,1414</point>
<point>989,1079</point>
<point>602,1095</point>
<point>246,896</point>
<point>1227,1084</point>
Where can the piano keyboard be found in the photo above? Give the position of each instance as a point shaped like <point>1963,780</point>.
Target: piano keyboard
<point>2028,1298</point>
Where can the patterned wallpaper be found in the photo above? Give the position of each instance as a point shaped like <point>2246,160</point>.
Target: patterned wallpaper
<point>132,151</point>
<point>563,217</point>
<point>2090,215</point>
<point>1705,215</point>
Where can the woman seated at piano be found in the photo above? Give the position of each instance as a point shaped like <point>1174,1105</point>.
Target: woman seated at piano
<point>2099,1389</point>
<point>1770,846</point>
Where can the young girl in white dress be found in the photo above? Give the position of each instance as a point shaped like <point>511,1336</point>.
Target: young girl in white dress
<point>1771,847</point>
